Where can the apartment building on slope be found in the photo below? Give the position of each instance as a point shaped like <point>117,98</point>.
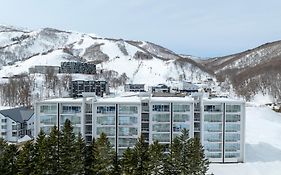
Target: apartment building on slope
<point>219,122</point>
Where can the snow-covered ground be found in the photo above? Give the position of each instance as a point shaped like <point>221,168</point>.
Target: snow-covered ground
<point>263,145</point>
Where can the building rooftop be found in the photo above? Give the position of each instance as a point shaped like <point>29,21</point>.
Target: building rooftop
<point>18,114</point>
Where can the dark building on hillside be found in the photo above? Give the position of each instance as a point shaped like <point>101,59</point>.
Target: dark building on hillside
<point>100,88</point>
<point>77,67</point>
<point>134,88</point>
<point>161,88</point>
<point>44,69</point>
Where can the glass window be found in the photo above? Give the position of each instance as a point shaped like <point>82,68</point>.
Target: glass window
<point>127,142</point>
<point>161,127</point>
<point>213,155</point>
<point>106,120</point>
<point>232,118</point>
<point>181,108</point>
<point>233,108</point>
<point>48,109</point>
<point>212,147</point>
<point>161,137</point>
<point>125,131</point>
<point>74,119</point>
<point>212,108</point>
<point>232,147</point>
<point>232,155</point>
<point>4,126</point>
<point>14,127</point>
<point>232,127</point>
<point>212,117</point>
<point>181,118</point>
<point>109,131</point>
<point>213,137</point>
<point>124,109</point>
<point>4,120</point>
<point>213,127</point>
<point>71,109</point>
<point>232,137</point>
<point>127,120</point>
<point>161,117</point>
<point>105,109</point>
<point>48,119</point>
<point>161,108</point>
<point>178,127</point>
<point>14,134</point>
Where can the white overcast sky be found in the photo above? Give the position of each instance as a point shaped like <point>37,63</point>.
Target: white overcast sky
<point>203,28</point>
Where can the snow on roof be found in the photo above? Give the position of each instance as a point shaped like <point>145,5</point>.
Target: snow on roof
<point>131,99</point>
<point>66,100</point>
<point>24,139</point>
<point>172,99</point>
<point>231,100</point>
<point>19,114</point>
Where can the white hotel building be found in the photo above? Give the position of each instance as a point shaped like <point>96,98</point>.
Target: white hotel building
<point>218,122</point>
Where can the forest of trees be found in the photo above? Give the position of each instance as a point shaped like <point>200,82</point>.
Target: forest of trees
<point>64,153</point>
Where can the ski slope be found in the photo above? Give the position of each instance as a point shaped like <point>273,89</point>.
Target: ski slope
<point>263,145</point>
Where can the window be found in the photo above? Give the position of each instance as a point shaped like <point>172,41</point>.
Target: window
<point>14,134</point>
<point>212,117</point>
<point>123,109</point>
<point>232,118</point>
<point>4,127</point>
<point>74,119</point>
<point>232,147</point>
<point>106,120</point>
<point>213,127</point>
<point>161,108</point>
<point>4,120</point>
<point>180,127</point>
<point>213,137</point>
<point>48,109</point>
<point>181,108</point>
<point>14,127</point>
<point>109,131</point>
<point>48,119</point>
<point>232,127</point>
<point>232,155</point>
<point>213,155</point>
<point>71,109</point>
<point>127,142</point>
<point>181,118</point>
<point>161,137</point>
<point>161,127</point>
<point>124,131</point>
<point>212,108</point>
<point>233,108</point>
<point>127,120</point>
<point>161,117</point>
<point>105,109</point>
<point>213,147</point>
<point>232,137</point>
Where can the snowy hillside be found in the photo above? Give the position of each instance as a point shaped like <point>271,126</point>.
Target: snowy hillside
<point>263,145</point>
<point>142,62</point>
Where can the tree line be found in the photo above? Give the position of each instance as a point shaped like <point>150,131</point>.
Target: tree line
<point>64,153</point>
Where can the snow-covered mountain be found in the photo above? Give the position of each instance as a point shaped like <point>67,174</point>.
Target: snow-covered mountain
<point>255,71</point>
<point>142,62</point>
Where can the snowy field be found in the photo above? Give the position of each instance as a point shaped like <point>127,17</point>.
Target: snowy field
<point>263,145</point>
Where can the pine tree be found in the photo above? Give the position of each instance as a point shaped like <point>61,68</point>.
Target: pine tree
<point>104,155</point>
<point>9,158</point>
<point>126,162</point>
<point>140,157</point>
<point>25,160</point>
<point>116,165</point>
<point>67,149</point>
<point>184,157</point>
<point>198,164</point>
<point>3,147</point>
<point>172,162</point>
<point>80,151</point>
<point>156,159</point>
<point>40,154</point>
<point>52,153</point>
<point>90,158</point>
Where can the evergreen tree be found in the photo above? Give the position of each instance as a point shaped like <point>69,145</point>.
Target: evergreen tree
<point>104,155</point>
<point>140,157</point>
<point>172,162</point>
<point>126,162</point>
<point>9,159</point>
<point>80,151</point>
<point>52,153</point>
<point>198,164</point>
<point>25,160</point>
<point>40,154</point>
<point>90,158</point>
<point>185,149</point>
<point>67,149</point>
<point>156,159</point>
<point>116,166</point>
<point>3,147</point>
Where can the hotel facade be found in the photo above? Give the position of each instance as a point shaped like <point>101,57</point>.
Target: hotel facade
<point>219,122</point>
